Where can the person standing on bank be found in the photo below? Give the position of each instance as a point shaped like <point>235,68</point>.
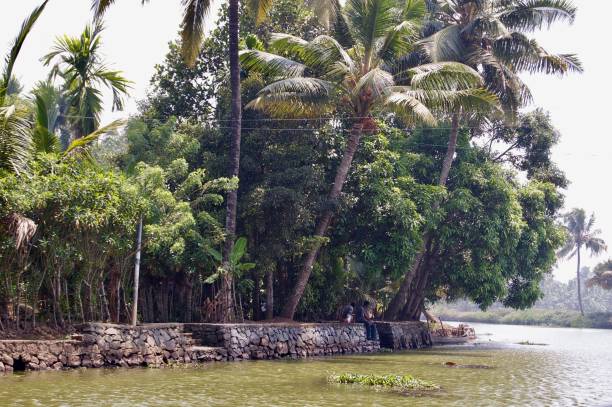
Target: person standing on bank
<point>363,315</point>
<point>346,315</point>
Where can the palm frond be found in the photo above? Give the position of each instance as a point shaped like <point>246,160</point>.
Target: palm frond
<point>596,245</point>
<point>444,45</point>
<point>319,54</point>
<point>11,58</point>
<point>270,64</point>
<point>530,15</point>
<point>327,11</point>
<point>371,19</point>
<point>373,84</point>
<point>568,249</point>
<point>444,76</point>
<point>293,97</point>
<point>192,28</point>
<point>525,54</point>
<point>43,140</point>
<point>81,147</point>
<point>99,8</point>
<point>485,24</point>
<point>471,101</point>
<point>398,41</point>
<point>15,138</point>
<point>21,229</point>
<point>415,11</point>
<point>260,8</point>
<point>408,106</point>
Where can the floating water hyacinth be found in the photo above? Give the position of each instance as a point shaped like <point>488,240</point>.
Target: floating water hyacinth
<point>405,382</point>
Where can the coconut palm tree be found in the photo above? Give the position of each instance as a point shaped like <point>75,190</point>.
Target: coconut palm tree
<point>580,234</point>
<point>321,77</point>
<point>78,61</point>
<point>491,37</point>
<point>14,116</point>
<point>192,30</point>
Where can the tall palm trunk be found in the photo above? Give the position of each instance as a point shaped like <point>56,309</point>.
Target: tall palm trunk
<point>234,159</point>
<point>578,281</point>
<point>400,299</point>
<point>323,224</point>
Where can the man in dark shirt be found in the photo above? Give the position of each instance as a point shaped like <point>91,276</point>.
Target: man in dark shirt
<point>361,315</point>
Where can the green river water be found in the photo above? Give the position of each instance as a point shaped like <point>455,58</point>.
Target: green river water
<point>574,369</point>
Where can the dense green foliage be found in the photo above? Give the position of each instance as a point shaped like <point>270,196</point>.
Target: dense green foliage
<point>70,211</point>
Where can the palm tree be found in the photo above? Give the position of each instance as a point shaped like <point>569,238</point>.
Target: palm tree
<point>192,30</point>
<point>490,36</point>
<point>581,234</point>
<point>603,275</point>
<point>78,62</point>
<point>14,115</point>
<point>324,78</point>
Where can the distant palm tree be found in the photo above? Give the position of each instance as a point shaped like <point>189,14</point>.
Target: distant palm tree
<point>78,61</point>
<point>603,275</point>
<point>321,77</point>
<point>581,234</point>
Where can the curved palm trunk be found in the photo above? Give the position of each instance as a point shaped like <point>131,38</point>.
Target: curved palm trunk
<point>323,224</point>
<point>227,307</point>
<point>578,280</point>
<point>400,299</point>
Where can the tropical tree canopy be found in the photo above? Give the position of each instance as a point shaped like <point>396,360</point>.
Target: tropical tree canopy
<point>492,37</point>
<point>78,62</point>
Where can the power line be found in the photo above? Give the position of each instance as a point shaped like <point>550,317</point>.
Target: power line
<point>320,119</point>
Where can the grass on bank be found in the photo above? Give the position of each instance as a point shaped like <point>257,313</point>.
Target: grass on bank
<point>545,317</point>
<point>405,382</point>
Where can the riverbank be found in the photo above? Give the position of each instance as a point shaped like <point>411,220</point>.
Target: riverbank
<point>537,317</point>
<point>572,370</point>
<point>96,345</point>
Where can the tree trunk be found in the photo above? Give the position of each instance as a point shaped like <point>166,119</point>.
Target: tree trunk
<point>578,281</point>
<point>255,297</point>
<point>137,273</point>
<point>269,294</point>
<point>400,299</point>
<point>234,157</point>
<point>323,224</point>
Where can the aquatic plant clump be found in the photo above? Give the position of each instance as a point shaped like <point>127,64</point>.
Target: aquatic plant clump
<point>405,382</point>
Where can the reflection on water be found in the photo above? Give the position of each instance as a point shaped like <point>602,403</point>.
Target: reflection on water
<point>574,369</point>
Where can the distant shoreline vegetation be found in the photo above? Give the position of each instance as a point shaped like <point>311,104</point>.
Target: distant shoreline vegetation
<point>534,316</point>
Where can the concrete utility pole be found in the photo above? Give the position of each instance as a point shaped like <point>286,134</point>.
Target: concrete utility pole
<point>137,273</point>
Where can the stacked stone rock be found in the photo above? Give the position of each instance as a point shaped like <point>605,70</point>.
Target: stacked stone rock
<point>38,355</point>
<point>121,345</point>
<point>271,341</point>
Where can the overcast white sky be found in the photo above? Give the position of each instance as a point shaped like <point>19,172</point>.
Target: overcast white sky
<point>136,39</point>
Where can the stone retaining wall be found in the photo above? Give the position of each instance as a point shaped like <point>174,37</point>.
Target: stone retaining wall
<point>270,341</point>
<point>99,345</point>
<point>125,346</point>
<point>38,355</point>
<point>156,345</point>
<point>403,335</point>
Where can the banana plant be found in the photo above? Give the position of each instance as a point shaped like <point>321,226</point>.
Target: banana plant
<point>235,266</point>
